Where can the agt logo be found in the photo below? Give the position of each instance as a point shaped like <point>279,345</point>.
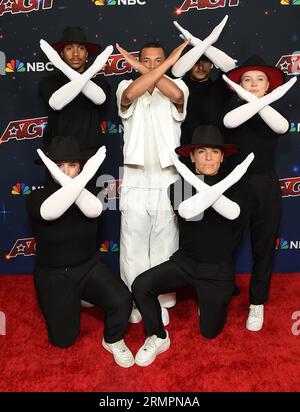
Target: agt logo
<point>24,6</point>
<point>111,128</point>
<point>109,246</point>
<point>117,65</point>
<point>23,247</point>
<point>205,4</point>
<point>24,129</point>
<point>290,186</point>
<point>282,244</point>
<point>119,2</point>
<point>290,2</point>
<point>290,63</point>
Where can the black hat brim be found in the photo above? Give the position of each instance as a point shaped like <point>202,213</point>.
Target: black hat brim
<point>185,150</point>
<point>82,159</point>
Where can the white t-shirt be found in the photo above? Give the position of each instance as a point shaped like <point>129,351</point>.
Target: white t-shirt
<point>151,130</point>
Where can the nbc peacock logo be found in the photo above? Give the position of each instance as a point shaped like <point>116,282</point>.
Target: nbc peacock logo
<point>20,189</point>
<point>281,244</point>
<point>15,66</point>
<point>294,127</point>
<point>109,246</point>
<point>290,2</point>
<point>119,2</point>
<point>105,2</point>
<point>109,127</point>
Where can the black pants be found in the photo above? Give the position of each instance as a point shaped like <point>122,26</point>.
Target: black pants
<point>263,212</point>
<point>214,285</point>
<point>59,291</point>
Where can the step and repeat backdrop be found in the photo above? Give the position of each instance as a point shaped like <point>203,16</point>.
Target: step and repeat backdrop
<point>269,28</point>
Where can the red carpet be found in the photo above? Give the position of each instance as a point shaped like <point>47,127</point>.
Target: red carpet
<point>237,360</point>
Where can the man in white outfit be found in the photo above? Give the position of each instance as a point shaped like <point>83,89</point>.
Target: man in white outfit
<point>152,108</point>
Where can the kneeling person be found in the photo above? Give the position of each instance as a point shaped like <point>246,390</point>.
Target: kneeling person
<point>204,258</point>
<point>68,265</point>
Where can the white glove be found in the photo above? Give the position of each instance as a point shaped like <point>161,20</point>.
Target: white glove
<point>68,92</point>
<point>260,105</point>
<point>72,190</point>
<point>224,206</point>
<point>218,57</point>
<point>205,198</point>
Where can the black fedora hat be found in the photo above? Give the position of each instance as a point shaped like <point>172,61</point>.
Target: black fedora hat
<point>207,136</point>
<point>275,75</point>
<point>64,148</point>
<point>76,35</point>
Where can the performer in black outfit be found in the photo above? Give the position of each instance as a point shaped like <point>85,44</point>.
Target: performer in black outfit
<point>76,103</point>
<point>207,97</point>
<point>255,127</point>
<point>204,257</point>
<point>68,267</point>
<point>75,107</point>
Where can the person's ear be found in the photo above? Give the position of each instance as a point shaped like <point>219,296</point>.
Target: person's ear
<point>267,89</point>
<point>192,156</point>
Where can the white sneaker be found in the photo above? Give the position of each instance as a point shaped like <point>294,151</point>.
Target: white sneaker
<point>152,347</point>
<point>167,300</point>
<point>255,318</point>
<point>135,316</point>
<point>85,304</point>
<point>121,353</point>
<point>165,316</point>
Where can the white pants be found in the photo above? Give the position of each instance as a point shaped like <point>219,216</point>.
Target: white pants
<point>149,232</point>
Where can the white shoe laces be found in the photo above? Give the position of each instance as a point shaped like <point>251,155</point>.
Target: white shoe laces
<point>150,343</point>
<point>120,348</point>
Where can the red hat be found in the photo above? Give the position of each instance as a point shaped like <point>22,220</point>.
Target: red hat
<point>275,75</point>
<point>76,35</point>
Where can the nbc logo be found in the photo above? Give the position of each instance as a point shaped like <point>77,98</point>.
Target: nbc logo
<point>20,189</point>
<point>282,244</point>
<point>15,66</point>
<point>119,2</point>
<point>290,2</point>
<point>109,246</point>
<point>295,127</point>
<point>110,127</point>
